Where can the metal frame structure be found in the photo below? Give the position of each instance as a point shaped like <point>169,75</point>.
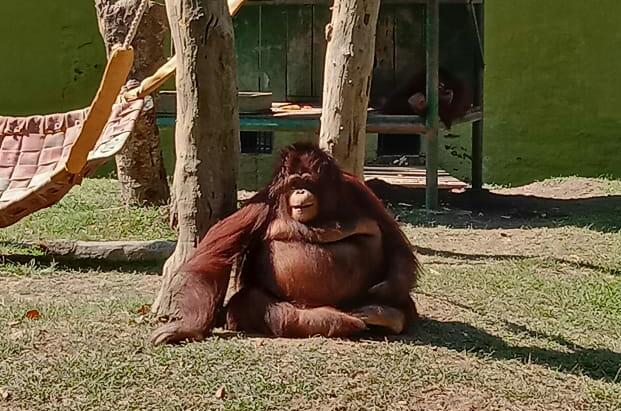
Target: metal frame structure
<point>428,126</point>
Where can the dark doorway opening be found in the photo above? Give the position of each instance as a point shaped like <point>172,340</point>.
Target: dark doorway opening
<point>394,145</point>
<point>256,142</point>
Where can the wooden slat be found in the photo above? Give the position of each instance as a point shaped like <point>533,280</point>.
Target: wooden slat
<point>411,177</point>
<point>273,58</point>
<point>321,17</point>
<point>404,171</point>
<point>299,51</point>
<point>384,70</point>
<point>247,45</point>
<point>409,40</point>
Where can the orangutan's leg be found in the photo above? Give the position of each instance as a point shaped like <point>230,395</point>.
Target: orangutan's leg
<point>390,318</point>
<point>252,310</point>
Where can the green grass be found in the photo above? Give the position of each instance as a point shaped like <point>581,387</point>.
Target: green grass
<point>516,318</point>
<point>500,336</point>
<point>91,211</point>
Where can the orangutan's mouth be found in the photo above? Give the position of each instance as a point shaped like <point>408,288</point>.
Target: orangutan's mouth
<point>302,206</point>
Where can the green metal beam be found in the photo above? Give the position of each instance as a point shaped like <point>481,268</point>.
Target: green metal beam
<point>432,40</point>
<point>376,123</point>
<point>477,126</point>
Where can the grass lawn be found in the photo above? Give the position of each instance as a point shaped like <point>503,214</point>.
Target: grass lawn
<point>522,312</point>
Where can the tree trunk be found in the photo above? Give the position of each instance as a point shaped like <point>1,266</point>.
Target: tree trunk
<point>207,133</point>
<point>347,81</point>
<point>140,166</point>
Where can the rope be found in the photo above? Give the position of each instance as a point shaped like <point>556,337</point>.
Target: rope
<point>133,27</point>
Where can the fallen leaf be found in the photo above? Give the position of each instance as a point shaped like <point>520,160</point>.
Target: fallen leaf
<point>5,394</point>
<point>144,309</point>
<point>32,314</point>
<point>13,323</point>
<point>221,393</point>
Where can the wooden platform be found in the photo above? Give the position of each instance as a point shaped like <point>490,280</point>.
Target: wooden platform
<point>411,177</point>
<point>283,116</point>
<point>296,117</point>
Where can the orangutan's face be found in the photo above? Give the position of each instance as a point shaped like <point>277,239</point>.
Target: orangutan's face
<point>303,205</point>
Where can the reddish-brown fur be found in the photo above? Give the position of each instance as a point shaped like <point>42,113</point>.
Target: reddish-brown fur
<point>396,102</point>
<point>296,280</point>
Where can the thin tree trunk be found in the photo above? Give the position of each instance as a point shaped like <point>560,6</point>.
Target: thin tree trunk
<point>347,81</point>
<point>140,167</point>
<point>207,133</point>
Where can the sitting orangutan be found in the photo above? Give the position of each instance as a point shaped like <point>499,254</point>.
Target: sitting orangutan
<point>320,256</point>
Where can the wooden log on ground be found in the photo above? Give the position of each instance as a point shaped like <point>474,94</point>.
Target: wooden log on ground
<point>111,251</point>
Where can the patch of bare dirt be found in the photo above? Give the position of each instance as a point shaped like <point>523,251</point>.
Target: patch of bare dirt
<point>576,247</point>
<point>558,196</point>
<point>86,286</point>
<point>567,188</point>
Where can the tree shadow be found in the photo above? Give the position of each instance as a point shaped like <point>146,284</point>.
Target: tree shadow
<point>46,262</point>
<point>596,363</point>
<point>482,257</point>
<point>488,210</point>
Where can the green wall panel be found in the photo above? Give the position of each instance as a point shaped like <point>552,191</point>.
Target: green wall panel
<point>551,87</point>
<point>52,56</point>
<point>247,38</point>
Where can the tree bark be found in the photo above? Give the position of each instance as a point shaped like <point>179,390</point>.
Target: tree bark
<point>140,166</point>
<point>347,81</point>
<point>207,133</point>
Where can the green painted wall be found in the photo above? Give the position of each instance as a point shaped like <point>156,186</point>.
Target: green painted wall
<point>551,88</point>
<point>51,55</point>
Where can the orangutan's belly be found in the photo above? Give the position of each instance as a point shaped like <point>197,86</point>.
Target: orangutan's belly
<point>323,274</point>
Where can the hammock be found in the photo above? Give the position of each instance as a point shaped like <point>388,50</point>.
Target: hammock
<point>43,156</point>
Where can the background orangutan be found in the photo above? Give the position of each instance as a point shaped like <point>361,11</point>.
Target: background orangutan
<point>321,256</point>
<point>409,97</point>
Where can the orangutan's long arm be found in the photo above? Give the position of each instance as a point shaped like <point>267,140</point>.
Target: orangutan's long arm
<point>207,273</point>
<point>327,233</point>
<point>402,266</point>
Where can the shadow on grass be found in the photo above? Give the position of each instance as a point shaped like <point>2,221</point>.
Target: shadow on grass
<point>45,263</point>
<point>478,257</point>
<point>487,210</point>
<point>596,363</point>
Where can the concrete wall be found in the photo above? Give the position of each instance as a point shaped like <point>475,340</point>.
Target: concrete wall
<point>552,93</point>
